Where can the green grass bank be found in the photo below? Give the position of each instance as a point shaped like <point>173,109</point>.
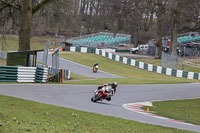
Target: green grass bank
<point>185,110</point>
<point>132,74</point>
<point>21,116</point>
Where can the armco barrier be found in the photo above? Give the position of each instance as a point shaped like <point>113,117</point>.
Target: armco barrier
<point>41,74</point>
<point>23,74</point>
<point>145,66</point>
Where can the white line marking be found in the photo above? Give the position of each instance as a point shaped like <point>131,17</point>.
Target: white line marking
<point>136,107</point>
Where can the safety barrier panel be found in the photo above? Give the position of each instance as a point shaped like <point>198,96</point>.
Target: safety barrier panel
<point>149,67</point>
<point>87,50</point>
<point>41,74</point>
<point>81,49</point>
<point>23,74</point>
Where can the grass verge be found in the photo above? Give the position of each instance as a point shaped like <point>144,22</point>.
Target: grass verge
<point>132,74</point>
<point>10,42</point>
<point>17,115</point>
<point>2,62</point>
<point>79,77</point>
<point>185,110</point>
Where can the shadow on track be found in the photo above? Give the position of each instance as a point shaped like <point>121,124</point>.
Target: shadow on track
<point>102,103</point>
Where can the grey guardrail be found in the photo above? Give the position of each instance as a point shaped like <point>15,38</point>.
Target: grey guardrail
<point>23,74</point>
<point>139,64</point>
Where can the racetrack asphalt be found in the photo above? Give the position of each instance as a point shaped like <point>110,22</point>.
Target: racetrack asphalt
<point>78,68</point>
<point>78,97</point>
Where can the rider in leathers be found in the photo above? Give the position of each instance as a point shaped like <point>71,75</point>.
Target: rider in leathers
<point>108,88</point>
<point>94,66</point>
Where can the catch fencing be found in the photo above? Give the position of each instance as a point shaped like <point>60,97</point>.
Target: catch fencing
<point>169,61</point>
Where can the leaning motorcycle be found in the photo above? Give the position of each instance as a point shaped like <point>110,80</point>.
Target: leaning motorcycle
<point>95,69</point>
<point>99,95</point>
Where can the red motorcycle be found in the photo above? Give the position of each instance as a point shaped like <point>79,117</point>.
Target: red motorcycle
<point>100,95</point>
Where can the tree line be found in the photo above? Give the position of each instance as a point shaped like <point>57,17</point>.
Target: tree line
<point>143,19</point>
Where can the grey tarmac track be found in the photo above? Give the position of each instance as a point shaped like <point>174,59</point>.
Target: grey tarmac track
<point>78,68</point>
<point>78,97</point>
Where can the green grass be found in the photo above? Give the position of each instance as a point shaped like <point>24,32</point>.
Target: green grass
<point>151,61</point>
<point>17,115</point>
<point>10,43</point>
<point>74,76</point>
<point>132,74</point>
<point>185,110</point>
<point>2,62</point>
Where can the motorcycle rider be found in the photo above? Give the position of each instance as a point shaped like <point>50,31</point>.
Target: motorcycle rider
<point>110,89</point>
<point>95,66</point>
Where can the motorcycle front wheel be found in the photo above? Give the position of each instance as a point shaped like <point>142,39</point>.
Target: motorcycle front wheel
<point>96,98</point>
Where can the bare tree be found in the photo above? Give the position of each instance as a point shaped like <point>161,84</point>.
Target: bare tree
<point>160,8</point>
<point>148,13</point>
<point>140,18</point>
<point>176,13</point>
<point>25,12</point>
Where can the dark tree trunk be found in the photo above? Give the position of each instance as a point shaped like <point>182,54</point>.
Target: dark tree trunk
<point>115,27</point>
<point>135,34</point>
<point>25,25</point>
<point>175,35</point>
<point>175,26</point>
<point>25,22</point>
<point>160,35</point>
<point>160,14</point>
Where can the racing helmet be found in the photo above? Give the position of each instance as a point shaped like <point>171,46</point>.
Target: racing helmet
<point>114,84</point>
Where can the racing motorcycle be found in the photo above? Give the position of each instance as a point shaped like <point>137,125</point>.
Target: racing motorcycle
<point>95,69</point>
<point>100,95</point>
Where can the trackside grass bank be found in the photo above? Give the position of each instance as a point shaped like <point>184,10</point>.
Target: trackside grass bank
<point>132,74</point>
<point>185,110</point>
<point>10,42</point>
<point>80,77</point>
<point>17,115</point>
